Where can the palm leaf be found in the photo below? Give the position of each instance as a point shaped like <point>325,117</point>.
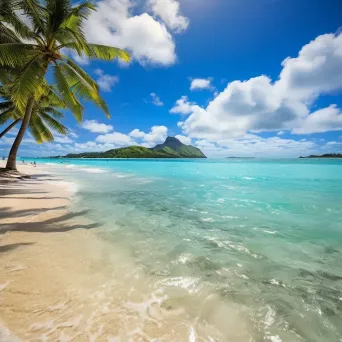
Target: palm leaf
<point>7,35</point>
<point>58,11</point>
<point>64,89</point>
<point>106,53</point>
<point>6,115</point>
<point>35,12</point>
<point>54,112</point>
<point>16,54</point>
<point>53,123</point>
<point>39,131</point>
<point>83,85</point>
<point>29,82</point>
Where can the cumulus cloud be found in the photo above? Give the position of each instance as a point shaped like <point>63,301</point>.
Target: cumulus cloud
<point>156,100</point>
<point>117,23</point>
<point>258,104</point>
<point>169,12</point>
<point>157,135</point>
<point>96,127</point>
<point>105,81</point>
<point>185,140</point>
<point>62,139</point>
<point>182,106</point>
<point>73,134</point>
<point>116,138</point>
<point>317,69</point>
<point>256,146</point>
<point>200,83</point>
<point>323,120</point>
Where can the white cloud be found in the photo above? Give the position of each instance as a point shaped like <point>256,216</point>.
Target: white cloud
<point>115,138</point>
<point>258,104</point>
<point>91,146</point>
<point>96,127</point>
<point>169,12</point>
<point>185,140</point>
<point>317,69</point>
<point>323,120</point>
<point>182,106</point>
<point>136,133</point>
<point>156,100</point>
<point>255,146</point>
<point>105,81</point>
<point>147,39</point>
<point>62,139</point>
<point>200,83</point>
<point>157,135</point>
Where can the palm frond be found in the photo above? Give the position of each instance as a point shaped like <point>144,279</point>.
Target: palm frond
<point>58,11</point>
<point>5,106</point>
<point>70,39</point>
<point>106,53</point>
<point>39,130</point>
<point>7,35</point>
<point>29,82</point>
<point>35,12</point>
<point>83,85</point>
<point>57,114</point>
<point>64,90</point>
<point>79,73</point>
<point>53,123</point>
<point>16,54</point>
<point>6,115</point>
<point>10,18</point>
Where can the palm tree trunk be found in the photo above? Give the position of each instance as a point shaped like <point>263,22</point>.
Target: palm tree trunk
<point>12,157</point>
<point>9,128</point>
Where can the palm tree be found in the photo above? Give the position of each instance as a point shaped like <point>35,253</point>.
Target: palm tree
<point>55,25</point>
<point>44,118</point>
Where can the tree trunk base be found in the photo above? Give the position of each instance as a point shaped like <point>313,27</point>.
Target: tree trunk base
<point>6,173</point>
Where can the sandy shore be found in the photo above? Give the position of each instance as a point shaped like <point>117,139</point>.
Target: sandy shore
<point>46,253</point>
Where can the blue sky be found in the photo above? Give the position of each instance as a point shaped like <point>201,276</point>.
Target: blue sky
<point>233,77</point>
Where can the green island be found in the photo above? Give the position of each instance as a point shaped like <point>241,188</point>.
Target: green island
<point>171,148</point>
<point>326,155</point>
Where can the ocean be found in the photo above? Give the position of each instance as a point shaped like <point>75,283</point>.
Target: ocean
<point>218,250</point>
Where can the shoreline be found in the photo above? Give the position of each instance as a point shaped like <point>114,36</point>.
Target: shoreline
<point>60,280</point>
<point>42,243</point>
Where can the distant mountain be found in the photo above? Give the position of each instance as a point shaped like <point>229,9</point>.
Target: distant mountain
<point>327,155</point>
<point>171,148</point>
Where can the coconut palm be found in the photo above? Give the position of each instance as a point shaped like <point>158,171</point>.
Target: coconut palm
<point>55,27</point>
<point>44,119</point>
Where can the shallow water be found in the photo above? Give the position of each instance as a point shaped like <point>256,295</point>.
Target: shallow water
<point>232,250</point>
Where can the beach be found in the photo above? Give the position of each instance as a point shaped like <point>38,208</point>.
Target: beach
<point>60,282</point>
<point>38,251</point>
<point>113,251</point>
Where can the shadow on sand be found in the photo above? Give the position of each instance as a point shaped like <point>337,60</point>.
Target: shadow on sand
<point>60,222</point>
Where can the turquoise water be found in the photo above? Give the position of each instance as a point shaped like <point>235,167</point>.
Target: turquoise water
<point>246,250</point>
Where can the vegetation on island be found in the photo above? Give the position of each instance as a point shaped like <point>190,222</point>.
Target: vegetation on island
<point>326,155</point>
<point>34,35</point>
<point>171,148</point>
